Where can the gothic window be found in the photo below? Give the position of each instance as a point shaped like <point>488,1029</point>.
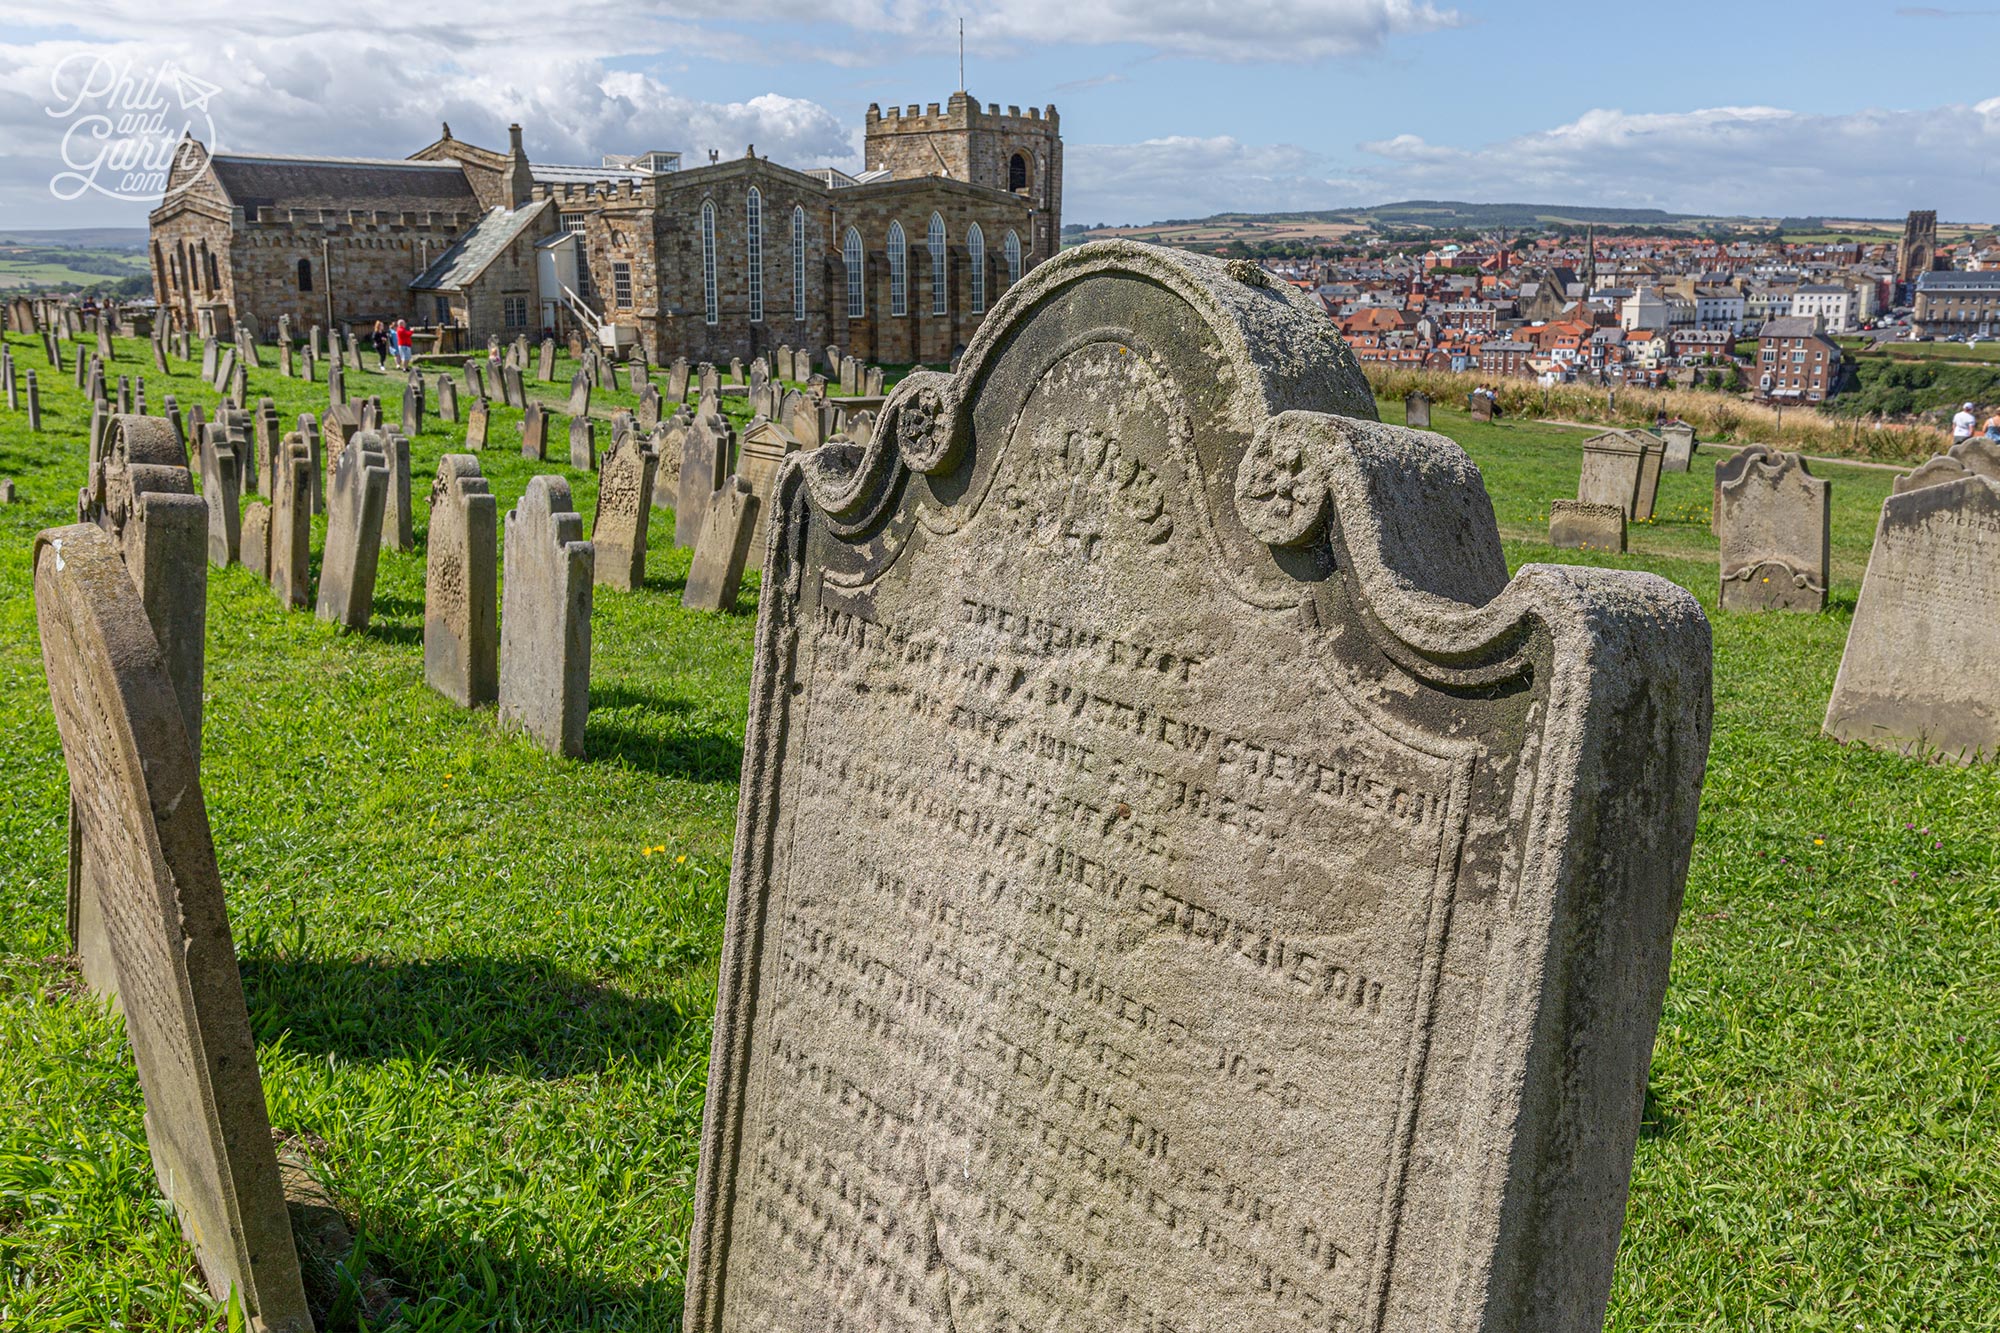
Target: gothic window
<point>798,263</point>
<point>850,254</point>
<point>1017,172</point>
<point>975,254</point>
<point>305,275</point>
<point>899,277</point>
<point>1012,249</point>
<point>935,240</point>
<point>753,245</point>
<point>712,305</point>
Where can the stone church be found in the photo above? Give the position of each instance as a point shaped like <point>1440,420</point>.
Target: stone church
<point>733,257</point>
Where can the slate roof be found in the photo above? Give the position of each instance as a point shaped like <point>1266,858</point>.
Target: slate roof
<point>1957,281</point>
<point>341,183</point>
<point>469,255</point>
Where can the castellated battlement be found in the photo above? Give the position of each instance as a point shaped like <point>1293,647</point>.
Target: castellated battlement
<point>962,112</point>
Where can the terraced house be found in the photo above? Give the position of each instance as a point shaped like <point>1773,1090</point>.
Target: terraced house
<point>896,263</point>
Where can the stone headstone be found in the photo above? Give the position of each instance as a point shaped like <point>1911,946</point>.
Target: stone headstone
<point>764,448</point>
<point>1614,464</point>
<point>1677,440</point>
<point>575,346</point>
<point>1917,673</point>
<point>607,374</point>
<point>583,444</point>
<point>649,408</point>
<point>133,765</point>
<point>871,384</point>
<point>398,521</point>
<point>309,435</point>
<point>336,386</point>
<point>34,403</point>
<point>850,376</point>
<point>642,378</point>
<point>545,624</point>
<point>833,361</point>
<point>1417,410</point>
<point>705,461</point>
<point>221,489</point>
<point>475,425</point>
<point>545,367</point>
<point>291,527</point>
<point>668,439</point>
<point>511,389</point>
<point>285,362</point>
<point>1162,883</point>
<point>211,357</point>
<point>1581,525</point>
<point>225,371</point>
<point>256,545</point>
<point>353,533</point>
<point>447,395</point>
<point>728,536</point>
<point>677,380</point>
<point>624,505</point>
<point>6,490</point>
<point>475,380</point>
<point>707,383</point>
<point>1774,525</point>
<point>266,432</point>
<point>413,409</point>
<point>461,626</point>
<point>579,395</point>
<point>800,415</point>
<point>534,433</point>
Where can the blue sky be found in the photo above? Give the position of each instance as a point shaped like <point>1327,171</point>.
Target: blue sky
<point>1170,108</point>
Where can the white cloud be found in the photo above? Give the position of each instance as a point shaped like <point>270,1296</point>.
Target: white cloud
<point>1755,160</point>
<point>1285,31</point>
<point>1184,177</point>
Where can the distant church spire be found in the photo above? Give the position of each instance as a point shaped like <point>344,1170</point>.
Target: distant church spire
<point>1589,260</point>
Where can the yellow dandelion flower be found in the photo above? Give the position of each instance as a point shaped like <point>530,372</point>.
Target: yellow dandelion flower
<point>681,859</point>
<point>1819,842</point>
<point>645,851</point>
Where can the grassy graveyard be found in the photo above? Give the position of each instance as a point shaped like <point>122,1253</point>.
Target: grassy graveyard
<point>482,979</point>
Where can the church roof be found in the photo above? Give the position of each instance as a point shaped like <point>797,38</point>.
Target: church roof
<point>469,255</point>
<point>342,183</point>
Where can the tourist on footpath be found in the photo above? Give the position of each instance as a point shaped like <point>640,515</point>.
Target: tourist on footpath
<point>403,345</point>
<point>1962,424</point>
<point>380,340</point>
<point>1992,425</point>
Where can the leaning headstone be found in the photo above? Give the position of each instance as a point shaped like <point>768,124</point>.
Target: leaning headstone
<point>475,380</point>
<point>1417,410</point>
<point>1183,887</point>
<point>291,527</point>
<point>1917,673</point>
<point>583,444</point>
<point>1677,440</point>
<point>1479,406</point>
<point>336,385</point>
<point>1614,462</point>
<point>266,432</point>
<point>512,392</point>
<point>398,522</point>
<point>534,433</point>
<point>211,357</point>
<point>225,371</point>
<point>704,463</point>
<point>1774,525</point>
<point>461,630</point>
<point>221,489</point>
<point>6,490</point>
<point>353,533</point>
<point>545,367</point>
<point>413,409</point>
<point>133,765</point>
<point>624,505</point>
<point>1580,525</point>
<point>579,395</point>
<point>475,425</point>
<point>447,392</point>
<point>545,624</point>
<point>34,403</point>
<point>285,367</point>
<point>728,533</point>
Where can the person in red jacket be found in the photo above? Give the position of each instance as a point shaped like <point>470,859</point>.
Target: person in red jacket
<point>403,344</point>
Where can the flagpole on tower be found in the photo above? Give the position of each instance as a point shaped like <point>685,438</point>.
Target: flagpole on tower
<point>961,54</point>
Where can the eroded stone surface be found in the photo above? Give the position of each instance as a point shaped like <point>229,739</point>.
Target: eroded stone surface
<point>1577,525</point>
<point>624,506</point>
<point>705,458</point>
<point>461,585</point>
<point>1916,675</point>
<point>138,799</point>
<point>221,483</point>
<point>1773,522</point>
<point>354,505</point>
<point>728,535</point>
<point>545,625</point>
<point>1181,882</point>
<point>1614,472</point>
<point>1417,410</point>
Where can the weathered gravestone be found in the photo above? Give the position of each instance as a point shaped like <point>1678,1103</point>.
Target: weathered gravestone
<point>642,377</point>
<point>1773,521</point>
<point>583,444</point>
<point>668,440</point>
<point>649,408</point>
<point>447,393</point>
<point>677,380</point>
<point>545,624</point>
<point>545,367</point>
<point>704,463</point>
<point>1417,410</point>
<point>850,376</point>
<point>624,504</point>
<point>221,489</point>
<point>475,426</point>
<point>308,433</point>
<point>133,773</point>
<point>256,547</point>
<point>1917,673</point>
<point>512,391</point>
<point>34,403</point>
<point>413,408</point>
<point>291,526</point>
<point>871,382</point>
<point>353,533</point>
<point>1479,406</point>
<point>579,395</point>
<point>728,535</point>
<point>267,432</point>
<point>534,433</point>
<point>461,632</point>
<point>707,383</point>
<point>398,520</point>
<point>475,380</point>
<point>225,371</point>
<point>1677,446</point>
<point>1614,472</point>
<point>765,447</point>
<point>211,357</point>
<point>1581,525</point>
<point>1181,881</point>
<point>736,370</point>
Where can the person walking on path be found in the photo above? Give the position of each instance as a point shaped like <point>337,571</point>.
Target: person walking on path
<point>404,349</point>
<point>379,339</point>
<point>1962,424</point>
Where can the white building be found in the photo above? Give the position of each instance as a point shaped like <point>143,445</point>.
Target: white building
<point>1718,308</point>
<point>1832,303</point>
<point>1643,309</point>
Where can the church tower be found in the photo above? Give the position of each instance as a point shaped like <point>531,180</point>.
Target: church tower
<point>1021,154</point>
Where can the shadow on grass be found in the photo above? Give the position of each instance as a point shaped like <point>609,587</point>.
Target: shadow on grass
<point>1656,1121</point>
<point>698,756</point>
<point>509,1015</point>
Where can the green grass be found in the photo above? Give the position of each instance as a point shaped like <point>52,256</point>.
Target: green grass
<point>483,1009</point>
<point>36,273</point>
<point>1932,351</point>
